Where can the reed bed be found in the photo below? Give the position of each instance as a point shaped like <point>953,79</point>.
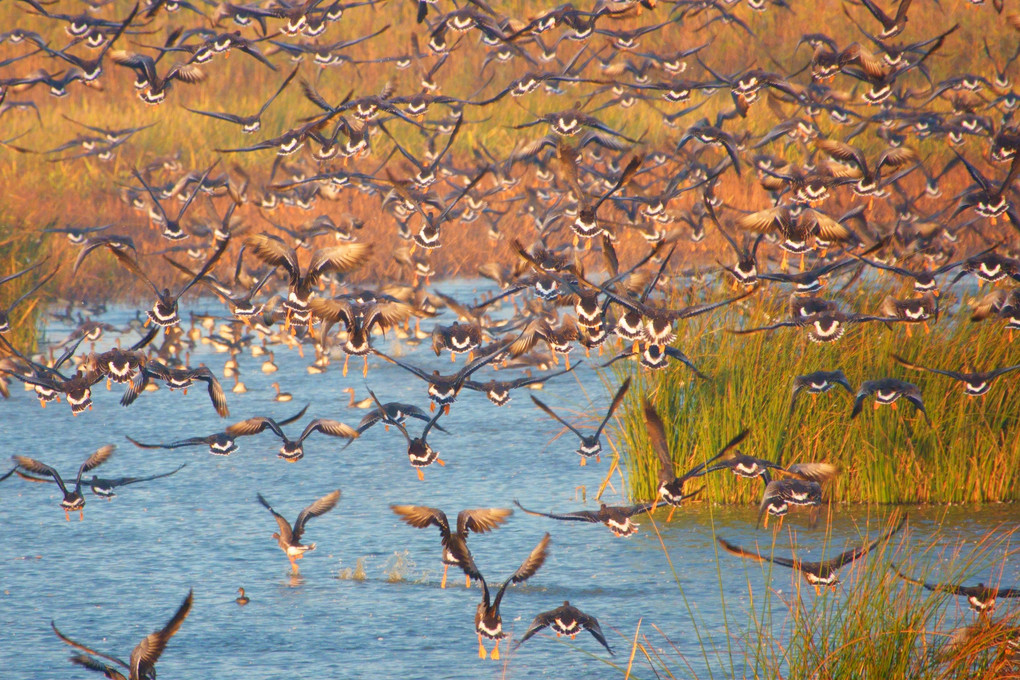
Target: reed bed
<point>21,248</point>
<point>875,625</point>
<point>884,456</point>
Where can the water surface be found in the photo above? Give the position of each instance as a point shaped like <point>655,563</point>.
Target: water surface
<point>119,574</point>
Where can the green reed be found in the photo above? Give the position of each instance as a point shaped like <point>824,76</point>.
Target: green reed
<point>884,455</point>
<point>21,248</point>
<point>875,625</point>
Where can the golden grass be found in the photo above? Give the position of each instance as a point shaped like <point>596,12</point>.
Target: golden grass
<point>85,191</point>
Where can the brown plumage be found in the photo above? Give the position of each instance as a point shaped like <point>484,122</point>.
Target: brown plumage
<point>289,537</point>
<point>478,520</point>
<point>488,622</point>
<point>73,498</point>
<point>142,663</point>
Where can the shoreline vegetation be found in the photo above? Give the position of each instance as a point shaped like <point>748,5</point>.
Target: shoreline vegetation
<point>874,624</point>
<point>969,454</point>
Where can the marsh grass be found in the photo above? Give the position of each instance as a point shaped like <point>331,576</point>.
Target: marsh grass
<point>875,625</point>
<point>884,455</point>
<point>86,191</point>
<point>21,248</point>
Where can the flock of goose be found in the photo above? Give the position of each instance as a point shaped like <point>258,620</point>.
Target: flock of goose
<point>563,206</point>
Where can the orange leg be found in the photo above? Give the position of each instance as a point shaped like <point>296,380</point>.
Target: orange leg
<point>441,462</point>
<point>566,361</point>
<point>347,358</point>
<point>432,406</point>
<point>481,648</point>
<point>467,581</point>
<point>495,652</point>
<point>446,567</point>
<point>364,371</point>
<point>910,333</point>
<point>81,514</point>
<point>421,475</point>
<point>766,520</point>
<point>670,517</point>
<point>67,515</point>
<point>446,409</point>
<point>584,461</point>
<point>453,358</point>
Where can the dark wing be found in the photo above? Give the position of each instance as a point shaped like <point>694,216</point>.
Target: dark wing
<point>96,665</point>
<point>780,324</point>
<point>255,426</point>
<point>470,368</point>
<point>432,423</point>
<point>949,374</point>
<point>286,82</point>
<point>407,367</point>
<point>421,517</point>
<point>338,259</point>
<point>94,461</point>
<point>657,435</point>
<point>740,552</point>
<point>129,263</point>
<point>319,507</point>
<point>617,400</point>
<point>145,655</point>
<point>591,624</point>
<point>481,520</point>
<point>527,569</point>
<point>384,417</point>
<point>191,441</point>
<point>35,466</point>
<point>298,416</point>
<point>216,394</point>
<point>152,194</point>
<point>274,252</point>
<point>541,621</point>
<point>1001,371</point>
<point>848,556</point>
<point>78,645</point>
<point>699,469</point>
<point>466,562</point>
<point>953,588</point>
<point>579,516</point>
<point>333,428</point>
<point>124,481</point>
<point>553,415</point>
<point>286,535</point>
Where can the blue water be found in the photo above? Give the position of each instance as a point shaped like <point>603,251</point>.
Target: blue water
<point>119,574</point>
